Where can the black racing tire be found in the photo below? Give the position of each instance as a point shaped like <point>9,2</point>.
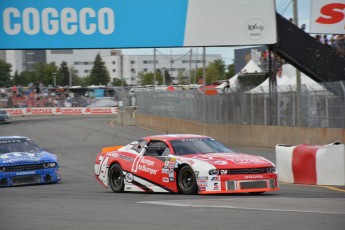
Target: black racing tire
<point>187,181</point>
<point>116,178</point>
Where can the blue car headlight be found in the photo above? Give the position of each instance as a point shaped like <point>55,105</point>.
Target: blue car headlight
<point>49,165</point>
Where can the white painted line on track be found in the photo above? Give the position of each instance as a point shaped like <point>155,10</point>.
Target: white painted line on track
<point>239,204</point>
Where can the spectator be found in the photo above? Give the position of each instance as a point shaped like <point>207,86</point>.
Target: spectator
<point>303,27</point>
<point>282,109</point>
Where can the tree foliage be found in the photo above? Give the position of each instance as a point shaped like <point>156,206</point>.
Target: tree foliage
<point>99,73</point>
<point>62,77</point>
<point>118,82</point>
<point>147,78</point>
<point>5,74</point>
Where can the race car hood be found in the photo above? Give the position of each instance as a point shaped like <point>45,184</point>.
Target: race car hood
<point>233,160</point>
<point>16,158</point>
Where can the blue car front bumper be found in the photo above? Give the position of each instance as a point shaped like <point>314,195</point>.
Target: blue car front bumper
<point>43,176</point>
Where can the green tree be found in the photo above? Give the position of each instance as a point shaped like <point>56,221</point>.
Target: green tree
<point>182,80</point>
<point>5,74</point>
<point>215,71</point>
<point>147,78</point>
<point>231,71</point>
<point>45,73</point>
<point>27,77</point>
<point>118,82</point>
<point>16,78</point>
<point>99,73</point>
<point>62,77</point>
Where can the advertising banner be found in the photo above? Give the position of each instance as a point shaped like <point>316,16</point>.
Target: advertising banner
<point>63,111</point>
<point>63,24</point>
<point>327,17</point>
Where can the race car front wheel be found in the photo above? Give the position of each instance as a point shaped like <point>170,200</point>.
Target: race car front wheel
<point>116,180</point>
<point>187,181</point>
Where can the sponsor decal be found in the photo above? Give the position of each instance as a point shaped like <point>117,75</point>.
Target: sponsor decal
<point>10,141</point>
<point>171,174</point>
<point>332,13</point>
<point>202,183</point>
<point>216,178</point>
<point>165,171</point>
<point>171,165</point>
<point>171,179</point>
<point>15,111</point>
<point>223,172</point>
<point>69,110</point>
<point>220,162</point>
<point>203,178</point>
<point>121,156</point>
<point>51,21</point>
<point>216,186</point>
<point>176,164</point>
<point>129,177</point>
<point>173,159</point>
<point>25,173</point>
<point>147,162</point>
<point>99,110</point>
<point>145,166</point>
<point>202,188</point>
<point>255,29</point>
<point>253,177</point>
<point>165,179</point>
<point>41,111</point>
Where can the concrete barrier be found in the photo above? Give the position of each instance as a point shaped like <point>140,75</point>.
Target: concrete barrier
<point>244,135</point>
<point>311,164</point>
<point>126,116</point>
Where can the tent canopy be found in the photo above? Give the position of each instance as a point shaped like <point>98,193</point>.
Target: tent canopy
<point>251,67</point>
<point>286,81</point>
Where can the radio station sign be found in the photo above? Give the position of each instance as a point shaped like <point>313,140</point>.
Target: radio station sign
<point>48,24</point>
<point>328,17</point>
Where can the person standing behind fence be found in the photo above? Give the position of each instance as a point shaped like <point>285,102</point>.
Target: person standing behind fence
<point>282,109</point>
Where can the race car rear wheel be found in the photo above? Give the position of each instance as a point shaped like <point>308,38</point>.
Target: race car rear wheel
<point>116,179</point>
<point>187,181</point>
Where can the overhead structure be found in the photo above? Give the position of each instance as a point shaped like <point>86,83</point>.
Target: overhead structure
<point>65,24</point>
<point>303,51</point>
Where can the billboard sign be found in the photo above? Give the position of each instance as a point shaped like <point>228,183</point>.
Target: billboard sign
<point>48,24</point>
<point>327,17</point>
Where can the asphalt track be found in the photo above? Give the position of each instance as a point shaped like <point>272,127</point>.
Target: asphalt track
<point>80,202</point>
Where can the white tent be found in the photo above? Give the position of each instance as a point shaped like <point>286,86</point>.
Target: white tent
<point>251,67</point>
<point>287,82</point>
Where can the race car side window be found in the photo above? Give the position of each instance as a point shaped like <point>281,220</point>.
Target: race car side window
<point>155,148</point>
<point>139,146</point>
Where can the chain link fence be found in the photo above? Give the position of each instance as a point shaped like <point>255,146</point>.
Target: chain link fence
<point>323,107</point>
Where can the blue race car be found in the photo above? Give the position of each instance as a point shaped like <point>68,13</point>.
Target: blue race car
<point>23,162</point>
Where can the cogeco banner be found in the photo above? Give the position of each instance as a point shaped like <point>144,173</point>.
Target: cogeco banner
<point>328,17</point>
<point>48,24</point>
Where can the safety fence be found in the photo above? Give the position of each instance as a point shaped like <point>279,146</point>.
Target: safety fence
<point>315,106</point>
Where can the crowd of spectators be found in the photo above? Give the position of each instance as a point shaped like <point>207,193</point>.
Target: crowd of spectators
<point>335,42</point>
<point>38,96</point>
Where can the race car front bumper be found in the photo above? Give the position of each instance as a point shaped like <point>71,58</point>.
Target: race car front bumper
<point>44,176</point>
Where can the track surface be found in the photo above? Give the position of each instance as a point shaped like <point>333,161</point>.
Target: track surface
<point>80,202</point>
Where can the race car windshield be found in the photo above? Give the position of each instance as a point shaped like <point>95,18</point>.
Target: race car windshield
<point>198,146</point>
<point>10,146</point>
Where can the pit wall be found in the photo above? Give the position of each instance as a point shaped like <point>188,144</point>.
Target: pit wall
<point>244,135</point>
